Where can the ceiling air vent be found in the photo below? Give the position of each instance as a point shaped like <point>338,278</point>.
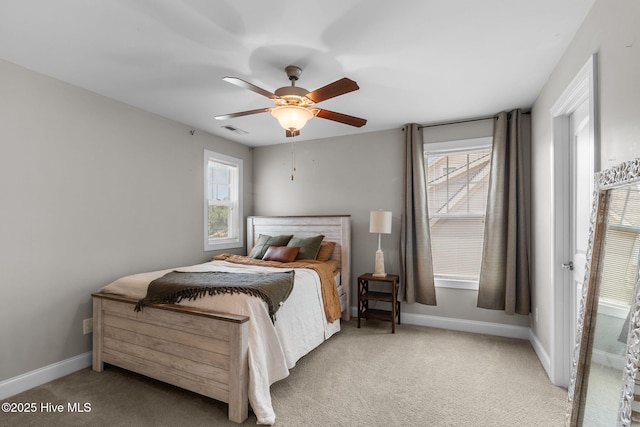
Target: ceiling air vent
<point>235,129</point>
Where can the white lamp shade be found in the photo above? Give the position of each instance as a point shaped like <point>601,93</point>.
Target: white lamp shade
<point>292,117</point>
<point>380,222</point>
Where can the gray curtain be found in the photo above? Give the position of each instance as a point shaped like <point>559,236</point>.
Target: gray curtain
<point>416,264</point>
<point>504,274</point>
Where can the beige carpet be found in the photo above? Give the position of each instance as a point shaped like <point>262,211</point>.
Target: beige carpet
<point>360,377</point>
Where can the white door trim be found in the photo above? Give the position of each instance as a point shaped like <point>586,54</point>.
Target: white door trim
<point>581,88</point>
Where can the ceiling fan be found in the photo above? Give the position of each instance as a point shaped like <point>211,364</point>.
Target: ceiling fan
<point>294,105</point>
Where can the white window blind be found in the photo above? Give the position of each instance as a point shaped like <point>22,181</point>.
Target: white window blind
<point>622,248</point>
<point>457,186</point>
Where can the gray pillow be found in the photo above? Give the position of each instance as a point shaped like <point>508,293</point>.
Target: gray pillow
<point>309,246</point>
<point>263,243</point>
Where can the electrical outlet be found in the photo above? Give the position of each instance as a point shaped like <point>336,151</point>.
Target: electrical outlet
<point>87,326</point>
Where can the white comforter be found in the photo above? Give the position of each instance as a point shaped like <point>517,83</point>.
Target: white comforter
<point>300,324</point>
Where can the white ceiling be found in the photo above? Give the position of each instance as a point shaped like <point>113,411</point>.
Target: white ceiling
<point>423,61</point>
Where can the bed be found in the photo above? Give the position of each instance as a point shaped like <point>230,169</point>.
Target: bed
<point>225,347</point>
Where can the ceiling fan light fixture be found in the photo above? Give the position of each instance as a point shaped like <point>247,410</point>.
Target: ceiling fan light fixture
<point>294,105</point>
<point>292,117</point>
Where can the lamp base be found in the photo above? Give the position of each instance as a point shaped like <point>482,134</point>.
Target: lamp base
<point>379,266</point>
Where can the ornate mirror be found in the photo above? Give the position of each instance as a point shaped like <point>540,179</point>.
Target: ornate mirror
<point>607,352</point>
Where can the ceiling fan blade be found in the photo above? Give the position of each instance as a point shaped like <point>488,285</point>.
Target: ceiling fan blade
<point>246,85</point>
<point>339,87</point>
<point>242,113</point>
<point>342,118</point>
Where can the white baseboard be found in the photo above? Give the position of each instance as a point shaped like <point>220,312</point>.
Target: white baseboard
<point>43,375</point>
<point>543,356</point>
<point>464,325</point>
<point>473,326</point>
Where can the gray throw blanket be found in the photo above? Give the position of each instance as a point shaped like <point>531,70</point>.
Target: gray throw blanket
<point>173,287</point>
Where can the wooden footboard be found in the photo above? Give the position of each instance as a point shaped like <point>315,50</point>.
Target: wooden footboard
<point>198,350</point>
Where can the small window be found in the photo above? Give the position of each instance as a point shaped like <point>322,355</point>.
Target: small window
<point>222,201</point>
<point>457,174</point>
<point>623,240</point>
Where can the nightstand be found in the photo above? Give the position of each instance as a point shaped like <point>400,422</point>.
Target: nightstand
<point>365,295</point>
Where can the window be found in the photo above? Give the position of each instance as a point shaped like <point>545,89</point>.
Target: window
<point>457,174</point>
<point>222,201</point>
<point>623,242</point>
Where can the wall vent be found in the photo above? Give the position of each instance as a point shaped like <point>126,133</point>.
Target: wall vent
<point>235,129</point>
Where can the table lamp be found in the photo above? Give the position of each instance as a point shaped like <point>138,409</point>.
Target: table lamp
<point>380,222</point>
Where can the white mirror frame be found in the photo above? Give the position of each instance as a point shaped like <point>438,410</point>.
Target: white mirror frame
<point>625,173</point>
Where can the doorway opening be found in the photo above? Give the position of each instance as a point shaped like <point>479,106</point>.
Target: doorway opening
<point>575,141</point>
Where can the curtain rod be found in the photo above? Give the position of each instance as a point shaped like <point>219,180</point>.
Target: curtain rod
<point>460,121</point>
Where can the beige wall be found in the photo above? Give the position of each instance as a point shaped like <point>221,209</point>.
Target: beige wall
<point>355,175</point>
<point>90,189</point>
<point>612,30</point>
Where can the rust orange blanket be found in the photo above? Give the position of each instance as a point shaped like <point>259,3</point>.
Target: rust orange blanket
<point>325,270</point>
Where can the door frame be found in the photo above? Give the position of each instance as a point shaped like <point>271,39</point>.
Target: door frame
<point>581,88</point>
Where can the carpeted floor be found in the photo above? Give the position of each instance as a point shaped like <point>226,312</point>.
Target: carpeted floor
<point>360,377</point>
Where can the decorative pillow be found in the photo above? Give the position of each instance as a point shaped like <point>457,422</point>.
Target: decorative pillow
<point>263,243</point>
<point>326,249</point>
<point>309,246</point>
<point>281,253</point>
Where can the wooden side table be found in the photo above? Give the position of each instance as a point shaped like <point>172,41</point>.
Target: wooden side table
<point>365,295</point>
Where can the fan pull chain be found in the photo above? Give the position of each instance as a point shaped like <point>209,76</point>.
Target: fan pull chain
<point>293,159</point>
